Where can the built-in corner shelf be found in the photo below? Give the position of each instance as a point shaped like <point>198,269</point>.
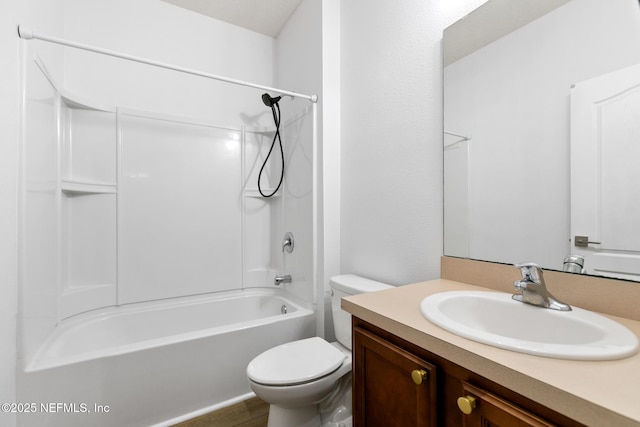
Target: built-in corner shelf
<point>78,103</point>
<point>255,194</point>
<point>84,187</point>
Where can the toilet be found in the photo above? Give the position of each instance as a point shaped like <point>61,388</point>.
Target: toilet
<point>308,382</point>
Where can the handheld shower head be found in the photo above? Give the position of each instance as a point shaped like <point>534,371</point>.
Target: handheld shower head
<point>269,101</point>
<point>272,102</point>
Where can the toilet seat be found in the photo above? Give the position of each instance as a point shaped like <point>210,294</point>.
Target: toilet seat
<point>295,362</point>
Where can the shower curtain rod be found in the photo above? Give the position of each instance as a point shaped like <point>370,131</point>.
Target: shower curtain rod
<point>28,34</point>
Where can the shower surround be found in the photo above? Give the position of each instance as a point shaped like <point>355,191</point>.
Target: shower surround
<point>127,209</point>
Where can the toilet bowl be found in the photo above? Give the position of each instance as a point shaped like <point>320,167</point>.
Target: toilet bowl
<point>308,382</point>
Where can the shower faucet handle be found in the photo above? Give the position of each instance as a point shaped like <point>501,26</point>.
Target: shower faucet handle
<point>287,243</point>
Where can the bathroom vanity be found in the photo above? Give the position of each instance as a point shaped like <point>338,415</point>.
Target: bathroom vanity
<point>399,383</point>
<point>410,372</point>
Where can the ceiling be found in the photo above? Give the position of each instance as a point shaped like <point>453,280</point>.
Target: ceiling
<point>263,16</point>
<point>488,23</point>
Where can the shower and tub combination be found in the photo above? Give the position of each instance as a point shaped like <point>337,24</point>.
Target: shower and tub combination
<point>157,248</point>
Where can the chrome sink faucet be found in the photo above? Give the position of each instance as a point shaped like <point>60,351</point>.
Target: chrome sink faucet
<point>533,290</point>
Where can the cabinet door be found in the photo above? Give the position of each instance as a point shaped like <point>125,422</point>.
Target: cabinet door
<point>391,386</point>
<point>488,410</point>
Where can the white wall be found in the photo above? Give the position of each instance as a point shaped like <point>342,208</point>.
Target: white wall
<point>391,88</point>
<point>331,141</point>
<point>299,68</point>
<point>163,32</point>
<point>308,60</point>
<point>329,156</point>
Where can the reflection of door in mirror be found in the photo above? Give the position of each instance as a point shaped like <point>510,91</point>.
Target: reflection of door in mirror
<point>605,173</point>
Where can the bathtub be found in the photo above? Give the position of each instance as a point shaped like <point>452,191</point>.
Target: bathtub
<point>156,363</point>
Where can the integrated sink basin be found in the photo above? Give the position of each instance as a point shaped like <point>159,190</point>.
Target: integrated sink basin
<point>494,318</point>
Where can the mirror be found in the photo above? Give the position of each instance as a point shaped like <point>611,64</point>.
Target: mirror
<point>513,72</point>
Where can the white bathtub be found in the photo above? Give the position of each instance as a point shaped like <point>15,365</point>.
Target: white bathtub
<point>157,363</point>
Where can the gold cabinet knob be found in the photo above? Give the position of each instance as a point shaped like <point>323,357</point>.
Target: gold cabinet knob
<point>418,375</point>
<point>467,404</point>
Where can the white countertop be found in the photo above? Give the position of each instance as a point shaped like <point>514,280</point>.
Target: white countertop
<point>595,393</point>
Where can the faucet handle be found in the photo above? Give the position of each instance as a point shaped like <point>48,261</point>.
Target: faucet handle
<point>537,293</point>
<point>287,242</point>
<point>531,271</point>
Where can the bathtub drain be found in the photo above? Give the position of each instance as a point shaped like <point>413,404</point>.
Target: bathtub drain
<point>283,309</point>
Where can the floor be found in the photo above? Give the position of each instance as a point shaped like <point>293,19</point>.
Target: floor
<point>249,413</point>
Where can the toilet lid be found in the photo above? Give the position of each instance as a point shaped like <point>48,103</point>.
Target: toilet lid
<point>295,362</point>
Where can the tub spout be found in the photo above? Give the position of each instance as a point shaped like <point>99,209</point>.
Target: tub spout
<point>282,279</point>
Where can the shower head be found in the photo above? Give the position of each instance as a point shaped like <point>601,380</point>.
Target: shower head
<point>269,101</point>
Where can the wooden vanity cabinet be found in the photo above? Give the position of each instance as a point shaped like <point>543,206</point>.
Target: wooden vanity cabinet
<point>394,387</point>
<point>398,384</point>
<point>489,410</point>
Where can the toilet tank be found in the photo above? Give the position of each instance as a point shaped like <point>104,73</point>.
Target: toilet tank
<point>342,286</point>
